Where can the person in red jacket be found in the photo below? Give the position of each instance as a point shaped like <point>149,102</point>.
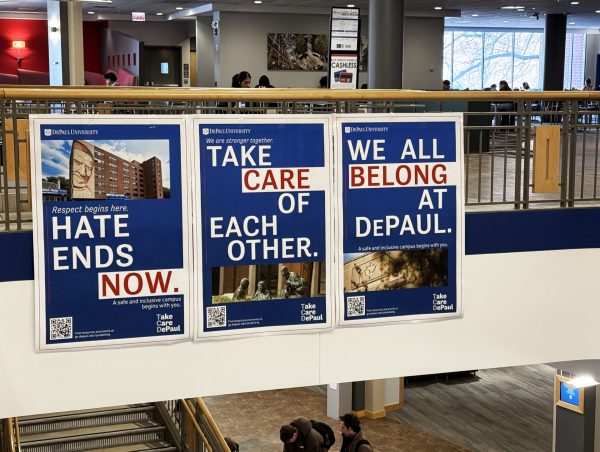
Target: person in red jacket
<point>299,435</point>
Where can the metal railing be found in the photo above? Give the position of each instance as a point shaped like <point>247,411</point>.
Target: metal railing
<point>9,435</point>
<point>498,141</point>
<point>195,426</point>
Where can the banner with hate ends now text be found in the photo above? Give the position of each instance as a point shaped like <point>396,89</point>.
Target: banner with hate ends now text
<point>263,204</point>
<point>400,217</point>
<point>111,230</point>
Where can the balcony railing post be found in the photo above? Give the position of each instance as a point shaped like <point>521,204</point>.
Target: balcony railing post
<point>518,159</point>
<point>573,150</point>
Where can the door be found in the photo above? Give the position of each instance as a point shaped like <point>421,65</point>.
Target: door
<point>161,66</point>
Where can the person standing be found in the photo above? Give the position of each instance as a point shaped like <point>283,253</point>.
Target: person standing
<point>299,435</point>
<point>588,85</point>
<point>352,435</point>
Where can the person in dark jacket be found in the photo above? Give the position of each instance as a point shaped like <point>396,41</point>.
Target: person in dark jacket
<point>352,436</point>
<point>299,435</point>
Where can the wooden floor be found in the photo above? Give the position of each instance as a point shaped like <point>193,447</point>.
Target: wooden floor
<point>506,409</point>
<point>497,410</point>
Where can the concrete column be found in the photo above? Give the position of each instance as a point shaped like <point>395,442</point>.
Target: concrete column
<point>75,44</point>
<point>555,36</point>
<point>217,46</point>
<point>386,43</point>
<point>55,54</point>
<point>575,431</point>
<point>339,399</point>
<point>358,398</point>
<point>65,43</point>
<point>205,52</point>
<point>375,399</point>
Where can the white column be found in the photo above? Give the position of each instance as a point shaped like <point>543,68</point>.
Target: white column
<point>75,40</point>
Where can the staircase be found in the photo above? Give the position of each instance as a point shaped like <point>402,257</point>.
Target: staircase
<point>115,429</point>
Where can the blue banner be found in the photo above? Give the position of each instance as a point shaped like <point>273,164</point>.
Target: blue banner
<point>263,203</point>
<point>400,238</point>
<point>111,235</point>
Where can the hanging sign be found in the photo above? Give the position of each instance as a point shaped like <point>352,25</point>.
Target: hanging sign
<point>263,206</point>
<point>400,217</point>
<point>111,233</point>
<point>344,38</point>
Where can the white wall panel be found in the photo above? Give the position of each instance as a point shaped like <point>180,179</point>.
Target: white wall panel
<point>519,309</point>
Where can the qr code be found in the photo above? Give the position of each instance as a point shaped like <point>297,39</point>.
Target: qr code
<point>61,328</point>
<point>216,316</point>
<point>355,306</point>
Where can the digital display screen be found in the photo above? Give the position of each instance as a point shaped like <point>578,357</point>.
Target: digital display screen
<point>569,395</point>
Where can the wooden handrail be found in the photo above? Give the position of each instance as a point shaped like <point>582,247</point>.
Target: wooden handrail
<point>278,94</point>
<point>17,434</point>
<point>197,428</point>
<point>212,423</point>
<point>11,441</point>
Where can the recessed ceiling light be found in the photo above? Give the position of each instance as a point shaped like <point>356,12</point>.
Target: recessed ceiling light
<point>505,21</point>
<point>179,8</point>
<point>512,7</point>
<point>159,14</point>
<point>571,23</point>
<point>438,8</point>
<point>91,12</point>
<point>258,2</point>
<point>350,5</point>
<point>474,15</point>
<point>574,3</point>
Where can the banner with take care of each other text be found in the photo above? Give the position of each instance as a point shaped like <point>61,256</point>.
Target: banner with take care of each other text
<point>264,230</point>
<point>400,217</point>
<point>111,228</point>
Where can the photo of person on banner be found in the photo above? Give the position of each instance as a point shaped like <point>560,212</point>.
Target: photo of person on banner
<point>267,282</point>
<point>81,171</point>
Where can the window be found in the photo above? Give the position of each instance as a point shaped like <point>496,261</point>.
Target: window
<point>476,59</point>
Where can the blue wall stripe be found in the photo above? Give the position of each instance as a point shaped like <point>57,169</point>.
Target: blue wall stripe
<point>16,256</point>
<point>532,230</point>
<point>485,233</point>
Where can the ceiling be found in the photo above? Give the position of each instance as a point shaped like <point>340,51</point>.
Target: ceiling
<point>469,13</point>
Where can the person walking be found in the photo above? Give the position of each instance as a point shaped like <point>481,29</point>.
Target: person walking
<point>299,436</point>
<point>352,435</point>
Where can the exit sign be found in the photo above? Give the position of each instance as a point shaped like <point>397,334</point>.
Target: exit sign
<point>138,17</point>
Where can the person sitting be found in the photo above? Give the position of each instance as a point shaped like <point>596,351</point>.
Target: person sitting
<point>505,120</point>
<point>323,82</point>
<point>261,292</point>
<point>446,85</point>
<point>111,79</point>
<point>293,284</point>
<point>245,79</point>
<point>241,293</point>
<point>264,82</point>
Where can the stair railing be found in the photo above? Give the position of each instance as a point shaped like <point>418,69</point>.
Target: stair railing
<point>192,434</point>
<point>195,425</point>
<point>11,442</point>
<point>210,426</point>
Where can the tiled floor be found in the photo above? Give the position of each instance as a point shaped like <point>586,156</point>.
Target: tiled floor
<point>495,410</point>
<point>253,420</point>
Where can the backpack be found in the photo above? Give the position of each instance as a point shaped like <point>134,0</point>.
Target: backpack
<point>363,441</point>
<point>325,431</point>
